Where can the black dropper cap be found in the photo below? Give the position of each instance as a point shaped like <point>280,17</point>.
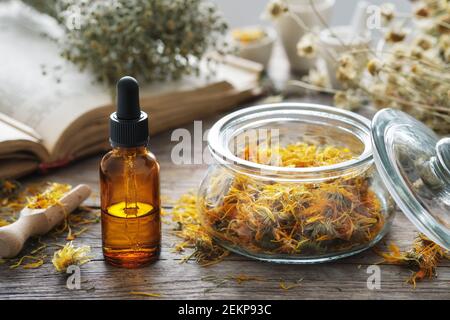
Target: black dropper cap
<point>128,126</point>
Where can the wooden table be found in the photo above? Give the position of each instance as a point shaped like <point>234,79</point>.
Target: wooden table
<point>344,279</point>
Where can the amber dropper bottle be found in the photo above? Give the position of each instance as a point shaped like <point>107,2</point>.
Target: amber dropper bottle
<point>129,186</point>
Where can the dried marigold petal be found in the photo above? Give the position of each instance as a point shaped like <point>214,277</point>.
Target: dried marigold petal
<point>70,255</point>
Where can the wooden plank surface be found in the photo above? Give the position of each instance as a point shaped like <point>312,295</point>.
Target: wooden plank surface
<point>344,279</point>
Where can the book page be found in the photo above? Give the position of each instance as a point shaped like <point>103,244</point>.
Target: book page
<point>37,86</point>
<point>10,133</point>
<point>16,144</point>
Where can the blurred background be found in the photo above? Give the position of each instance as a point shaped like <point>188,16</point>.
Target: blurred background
<point>239,13</point>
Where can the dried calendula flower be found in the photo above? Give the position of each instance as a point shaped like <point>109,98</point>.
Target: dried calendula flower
<point>194,235</point>
<point>70,255</point>
<point>49,197</point>
<point>37,262</point>
<point>146,294</point>
<point>303,155</point>
<point>241,278</point>
<point>4,222</point>
<point>256,216</point>
<point>288,286</point>
<point>423,257</point>
<point>8,188</point>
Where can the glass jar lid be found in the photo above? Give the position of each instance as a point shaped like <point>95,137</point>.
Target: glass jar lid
<point>415,166</point>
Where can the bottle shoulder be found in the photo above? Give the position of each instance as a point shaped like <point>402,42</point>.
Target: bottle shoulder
<point>114,161</point>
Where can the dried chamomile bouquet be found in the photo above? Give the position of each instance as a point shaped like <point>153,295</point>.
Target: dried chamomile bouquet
<point>150,39</point>
<point>411,71</point>
<point>407,69</point>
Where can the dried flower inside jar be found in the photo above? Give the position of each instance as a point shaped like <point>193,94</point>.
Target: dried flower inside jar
<point>271,217</point>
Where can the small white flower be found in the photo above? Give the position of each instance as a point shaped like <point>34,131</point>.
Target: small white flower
<point>425,42</point>
<point>388,12</point>
<point>307,47</point>
<point>374,66</point>
<point>318,78</point>
<point>447,55</point>
<point>347,100</point>
<point>274,10</point>
<point>347,68</point>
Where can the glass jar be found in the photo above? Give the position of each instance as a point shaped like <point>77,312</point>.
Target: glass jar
<point>293,214</point>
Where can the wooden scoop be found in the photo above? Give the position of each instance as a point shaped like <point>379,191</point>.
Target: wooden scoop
<point>35,222</point>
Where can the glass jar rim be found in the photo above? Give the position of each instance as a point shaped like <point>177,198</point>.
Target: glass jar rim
<point>218,144</point>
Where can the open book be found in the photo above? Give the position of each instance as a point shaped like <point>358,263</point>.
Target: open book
<point>52,113</point>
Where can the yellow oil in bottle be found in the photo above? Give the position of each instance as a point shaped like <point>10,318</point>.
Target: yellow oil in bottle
<point>131,237</point>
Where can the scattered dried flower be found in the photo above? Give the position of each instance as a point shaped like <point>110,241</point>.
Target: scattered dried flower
<point>38,261</point>
<point>193,234</point>
<point>42,195</point>
<point>70,255</point>
<point>146,294</point>
<point>49,197</point>
<point>8,188</point>
<point>288,286</point>
<point>424,257</point>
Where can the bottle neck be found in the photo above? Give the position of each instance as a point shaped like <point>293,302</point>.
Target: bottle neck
<point>127,151</point>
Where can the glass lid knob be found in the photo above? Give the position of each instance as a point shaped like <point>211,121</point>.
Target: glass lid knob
<point>415,166</point>
<point>443,156</point>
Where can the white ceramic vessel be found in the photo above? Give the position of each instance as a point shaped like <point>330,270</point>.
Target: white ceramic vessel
<point>259,51</point>
<point>290,31</point>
